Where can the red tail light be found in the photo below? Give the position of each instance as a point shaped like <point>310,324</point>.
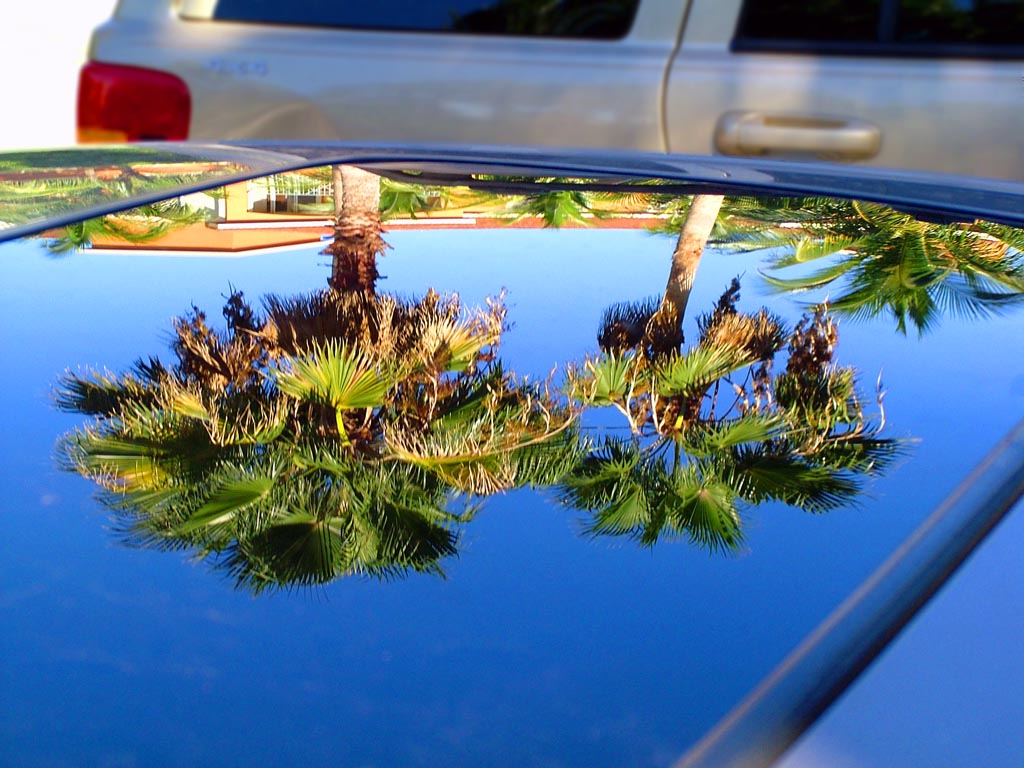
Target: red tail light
<point>119,103</point>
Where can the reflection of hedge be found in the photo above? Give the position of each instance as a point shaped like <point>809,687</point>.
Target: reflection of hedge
<point>90,158</point>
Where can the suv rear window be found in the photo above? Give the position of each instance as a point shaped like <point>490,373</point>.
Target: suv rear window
<point>603,20</point>
<point>944,27</point>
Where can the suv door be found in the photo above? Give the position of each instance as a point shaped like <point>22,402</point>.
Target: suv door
<point>917,84</point>
<point>573,73</point>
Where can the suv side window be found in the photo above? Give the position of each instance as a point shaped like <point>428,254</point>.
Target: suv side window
<point>989,22</point>
<point>809,20</point>
<point>588,19</point>
<point>985,28</point>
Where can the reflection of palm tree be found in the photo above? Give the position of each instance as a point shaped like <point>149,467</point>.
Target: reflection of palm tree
<point>24,201</point>
<point>720,430</point>
<point>329,437</point>
<point>693,237</point>
<point>884,260</point>
<point>362,200</point>
<point>357,230</point>
<point>800,437</point>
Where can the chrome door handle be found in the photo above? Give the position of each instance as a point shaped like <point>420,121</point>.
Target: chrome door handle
<point>791,133</point>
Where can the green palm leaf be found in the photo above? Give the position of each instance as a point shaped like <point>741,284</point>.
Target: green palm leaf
<point>556,209</point>
<point>602,476</point>
<point>761,473</point>
<point>102,393</point>
<point>703,509</point>
<point>335,376</point>
<point>808,282</point>
<point>448,344</point>
<point>889,262</point>
<point>490,454</point>
<point>705,439</point>
<point>605,380</point>
<point>813,248</point>
<point>295,551</point>
<point>545,464</point>
<point>189,404</point>
<point>227,502</point>
<point>691,373</point>
<point>627,514</point>
<point>117,462</point>
<point>860,454</point>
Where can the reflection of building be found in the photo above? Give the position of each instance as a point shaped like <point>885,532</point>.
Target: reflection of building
<point>238,222</point>
<point>291,193</point>
<point>281,211</point>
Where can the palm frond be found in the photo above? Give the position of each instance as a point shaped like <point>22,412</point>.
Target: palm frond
<point>399,199</point>
<point>297,550</point>
<point>706,439</point>
<point>691,373</point>
<point>452,345</point>
<point>227,502</point>
<point>764,472</point>
<point>628,514</point>
<point>623,325</point>
<point>335,376</point>
<point>812,248</point>
<point>605,380</point>
<point>556,209</point>
<point>818,401</point>
<point>104,393</point>
<point>116,463</point>
<point>603,475</point>
<point>861,454</point>
<point>809,282</point>
<point>702,509</point>
<point>484,455</point>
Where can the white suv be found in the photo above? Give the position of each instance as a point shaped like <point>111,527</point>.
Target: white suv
<point>917,84</point>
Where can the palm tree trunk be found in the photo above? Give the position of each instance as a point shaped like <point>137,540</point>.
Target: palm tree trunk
<point>700,220</point>
<point>357,233</point>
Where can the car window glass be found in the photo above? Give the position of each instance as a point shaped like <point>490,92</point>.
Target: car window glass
<point>607,19</point>
<point>997,22</point>
<point>822,20</point>
<point>883,24</point>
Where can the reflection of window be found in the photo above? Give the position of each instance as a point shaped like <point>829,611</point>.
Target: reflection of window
<point>600,19</point>
<point>999,22</point>
<point>304,193</point>
<point>809,20</point>
<point>981,27</point>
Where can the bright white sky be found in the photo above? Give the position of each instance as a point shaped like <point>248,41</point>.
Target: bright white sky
<point>44,45</point>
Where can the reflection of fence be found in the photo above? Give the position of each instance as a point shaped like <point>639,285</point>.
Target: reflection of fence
<point>291,193</point>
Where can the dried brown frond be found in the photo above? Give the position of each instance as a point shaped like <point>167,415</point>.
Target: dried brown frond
<point>620,335</point>
<point>812,344</point>
<point>727,301</point>
<point>624,324</point>
<point>664,333</point>
<point>239,314</point>
<point>296,324</point>
<point>762,335</point>
<point>215,360</point>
